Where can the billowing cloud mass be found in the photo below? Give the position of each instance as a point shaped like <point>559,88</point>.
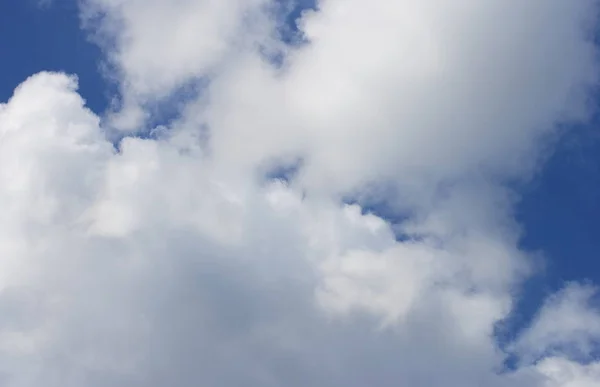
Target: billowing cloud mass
<point>233,244</point>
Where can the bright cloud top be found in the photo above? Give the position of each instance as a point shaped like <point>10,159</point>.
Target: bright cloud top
<point>173,259</point>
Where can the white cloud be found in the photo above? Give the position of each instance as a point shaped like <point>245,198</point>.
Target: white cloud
<point>564,373</point>
<point>158,46</point>
<point>173,261</point>
<point>568,324</point>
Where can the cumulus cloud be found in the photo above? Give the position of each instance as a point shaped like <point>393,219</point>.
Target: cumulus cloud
<point>156,46</point>
<point>175,259</point>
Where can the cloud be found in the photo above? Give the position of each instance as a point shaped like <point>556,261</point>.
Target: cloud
<point>174,259</point>
<point>567,323</point>
<point>151,61</point>
<point>569,374</point>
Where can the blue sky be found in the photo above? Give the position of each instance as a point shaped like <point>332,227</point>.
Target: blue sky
<point>559,210</point>
<point>37,38</point>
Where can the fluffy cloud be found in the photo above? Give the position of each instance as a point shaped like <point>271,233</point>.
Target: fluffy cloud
<point>157,46</point>
<point>567,323</point>
<point>174,260</point>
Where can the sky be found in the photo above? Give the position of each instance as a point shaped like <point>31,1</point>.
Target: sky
<point>438,229</point>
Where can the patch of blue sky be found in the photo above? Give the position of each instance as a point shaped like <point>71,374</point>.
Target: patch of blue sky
<point>48,38</point>
<point>290,12</point>
<point>284,171</point>
<point>560,214</point>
